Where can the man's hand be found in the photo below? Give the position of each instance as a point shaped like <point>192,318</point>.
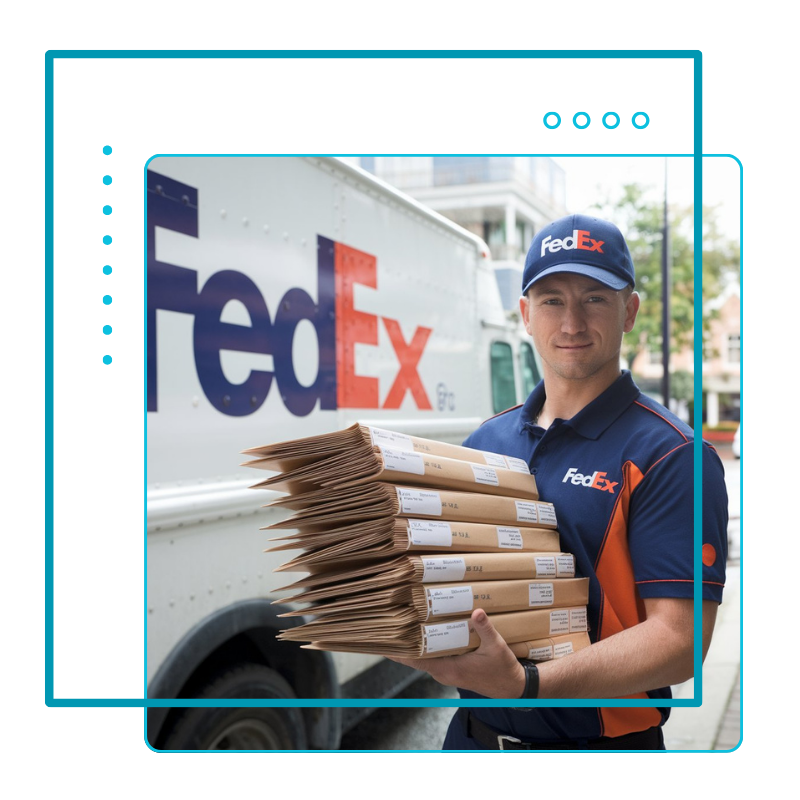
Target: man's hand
<point>657,652</point>
<point>492,670</point>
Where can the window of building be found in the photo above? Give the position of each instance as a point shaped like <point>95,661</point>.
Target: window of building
<point>504,394</point>
<point>734,348</point>
<point>530,372</point>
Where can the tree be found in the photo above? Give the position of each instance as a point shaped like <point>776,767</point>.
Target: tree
<point>641,220</point>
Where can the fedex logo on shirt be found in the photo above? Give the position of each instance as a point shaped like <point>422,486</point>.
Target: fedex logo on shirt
<point>597,480</point>
<point>579,240</point>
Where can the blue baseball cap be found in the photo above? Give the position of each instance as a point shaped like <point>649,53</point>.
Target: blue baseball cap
<point>586,245</point>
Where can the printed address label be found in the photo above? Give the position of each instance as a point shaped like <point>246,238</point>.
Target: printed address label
<point>510,538</point>
<point>403,461</point>
<point>562,649</point>
<point>443,569</point>
<point>540,653</point>
<point>494,460</point>
<point>526,512</point>
<point>424,533</point>
<point>565,566</point>
<point>540,594</point>
<point>399,441</point>
<point>446,636</point>
<point>487,475</point>
<point>418,502</point>
<point>546,567</point>
<point>449,600</point>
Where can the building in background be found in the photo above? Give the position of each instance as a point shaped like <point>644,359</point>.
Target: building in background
<point>503,199</point>
<point>721,366</point>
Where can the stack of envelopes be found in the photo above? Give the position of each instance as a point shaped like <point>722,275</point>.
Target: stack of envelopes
<point>402,537</point>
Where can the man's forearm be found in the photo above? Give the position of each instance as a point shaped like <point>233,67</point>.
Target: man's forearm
<point>657,652</point>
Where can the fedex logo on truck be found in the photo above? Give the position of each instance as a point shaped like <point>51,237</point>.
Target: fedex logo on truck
<point>338,325</point>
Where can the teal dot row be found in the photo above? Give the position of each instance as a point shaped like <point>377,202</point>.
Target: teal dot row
<point>581,120</point>
<point>107,268</point>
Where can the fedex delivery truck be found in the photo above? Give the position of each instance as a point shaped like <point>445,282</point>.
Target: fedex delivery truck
<point>288,297</point>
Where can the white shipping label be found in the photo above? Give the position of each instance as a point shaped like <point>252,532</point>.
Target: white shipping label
<point>517,465</point>
<point>540,594</point>
<point>565,566</point>
<point>577,620</point>
<point>547,514</point>
<point>510,538</point>
<point>403,461</point>
<point>494,460</point>
<point>487,475</point>
<point>446,636</point>
<point>562,649</point>
<point>399,441</point>
<point>540,653</point>
<point>546,567</point>
<point>449,600</point>
<point>429,534</point>
<point>443,569</point>
<point>559,621</point>
<point>526,512</point>
<point>414,502</point>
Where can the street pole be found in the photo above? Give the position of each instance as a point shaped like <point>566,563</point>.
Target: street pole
<point>665,298</point>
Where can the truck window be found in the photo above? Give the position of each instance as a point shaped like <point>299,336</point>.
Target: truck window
<point>530,372</point>
<point>503,392</point>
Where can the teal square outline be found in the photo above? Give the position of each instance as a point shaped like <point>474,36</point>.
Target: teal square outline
<point>50,56</point>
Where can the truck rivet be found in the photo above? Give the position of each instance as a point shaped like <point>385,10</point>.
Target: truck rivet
<point>245,221</point>
<point>195,401</point>
<point>223,213</point>
<point>211,591</point>
<point>149,610</point>
<point>191,597</point>
<point>266,229</point>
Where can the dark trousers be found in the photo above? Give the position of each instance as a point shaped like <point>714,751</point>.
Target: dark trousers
<point>466,732</point>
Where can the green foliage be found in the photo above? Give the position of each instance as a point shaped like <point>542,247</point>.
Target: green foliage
<point>641,220</point>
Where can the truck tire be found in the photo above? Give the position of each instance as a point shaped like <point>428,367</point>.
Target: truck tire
<point>241,728</point>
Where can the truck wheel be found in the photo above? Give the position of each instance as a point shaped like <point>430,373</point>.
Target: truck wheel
<point>241,728</point>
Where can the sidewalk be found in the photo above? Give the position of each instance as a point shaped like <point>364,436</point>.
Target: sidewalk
<point>716,725</point>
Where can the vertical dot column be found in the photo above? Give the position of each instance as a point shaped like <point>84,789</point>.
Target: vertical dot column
<point>107,240</point>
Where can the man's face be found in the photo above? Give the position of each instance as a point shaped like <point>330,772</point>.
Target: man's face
<point>577,325</point>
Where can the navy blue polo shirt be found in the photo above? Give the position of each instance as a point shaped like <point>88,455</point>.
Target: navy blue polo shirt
<point>620,475</point>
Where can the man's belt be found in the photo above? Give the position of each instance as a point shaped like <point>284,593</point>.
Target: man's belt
<point>490,739</point>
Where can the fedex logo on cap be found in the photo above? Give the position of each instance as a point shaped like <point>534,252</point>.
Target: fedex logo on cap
<point>580,240</point>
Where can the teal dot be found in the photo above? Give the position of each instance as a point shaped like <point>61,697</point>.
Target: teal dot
<point>106,179</point>
<point>106,329</point>
<point>106,359</point>
<point>106,210</point>
<point>107,299</point>
<point>107,150</point>
<point>106,270</point>
<point>106,240</point>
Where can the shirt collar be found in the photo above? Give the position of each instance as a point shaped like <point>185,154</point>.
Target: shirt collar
<point>593,419</point>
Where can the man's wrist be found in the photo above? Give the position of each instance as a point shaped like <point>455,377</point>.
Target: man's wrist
<point>531,690</point>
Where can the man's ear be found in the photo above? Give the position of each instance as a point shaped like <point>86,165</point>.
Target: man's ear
<point>524,310</point>
<point>631,310</point>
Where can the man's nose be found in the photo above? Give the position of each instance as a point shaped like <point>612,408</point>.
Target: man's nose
<point>573,320</point>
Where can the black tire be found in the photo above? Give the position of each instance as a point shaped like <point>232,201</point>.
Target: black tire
<point>241,728</point>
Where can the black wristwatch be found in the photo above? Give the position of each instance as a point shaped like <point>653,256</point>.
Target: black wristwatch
<point>531,690</point>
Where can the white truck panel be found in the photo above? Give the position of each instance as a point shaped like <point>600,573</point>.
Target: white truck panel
<point>261,218</point>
